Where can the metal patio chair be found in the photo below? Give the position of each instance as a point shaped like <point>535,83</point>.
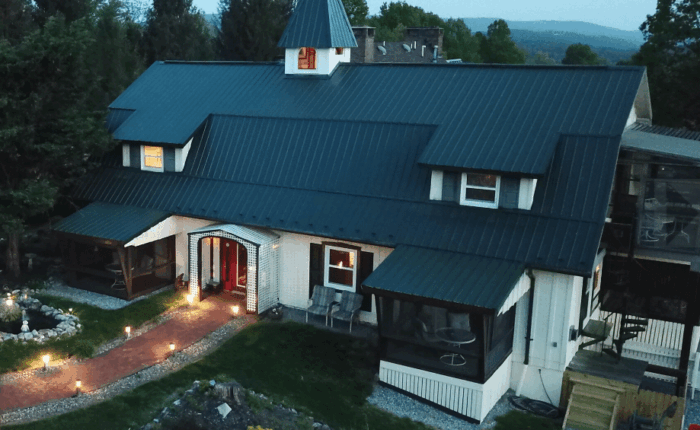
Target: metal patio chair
<point>349,307</point>
<point>321,301</point>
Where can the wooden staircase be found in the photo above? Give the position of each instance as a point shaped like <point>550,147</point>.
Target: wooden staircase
<point>592,406</point>
<point>630,328</point>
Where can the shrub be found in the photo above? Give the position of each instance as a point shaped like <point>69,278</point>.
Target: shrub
<point>10,313</point>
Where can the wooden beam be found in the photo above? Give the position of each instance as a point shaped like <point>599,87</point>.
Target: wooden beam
<point>125,262</point>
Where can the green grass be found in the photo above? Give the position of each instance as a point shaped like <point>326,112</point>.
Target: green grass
<point>321,374</point>
<point>523,421</point>
<point>98,326</point>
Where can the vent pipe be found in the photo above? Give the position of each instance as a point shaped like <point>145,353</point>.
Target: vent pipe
<point>422,52</point>
<point>435,49</point>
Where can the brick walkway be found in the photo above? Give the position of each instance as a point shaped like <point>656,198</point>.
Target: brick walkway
<point>137,353</point>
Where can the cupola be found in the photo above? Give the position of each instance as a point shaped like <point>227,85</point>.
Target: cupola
<point>318,37</point>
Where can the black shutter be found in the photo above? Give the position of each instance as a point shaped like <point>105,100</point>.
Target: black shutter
<point>366,268</point>
<point>315,267</point>
<point>450,186</point>
<point>510,188</point>
<point>135,156</point>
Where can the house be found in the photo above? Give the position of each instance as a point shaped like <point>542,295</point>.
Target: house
<point>419,45</point>
<point>461,200</point>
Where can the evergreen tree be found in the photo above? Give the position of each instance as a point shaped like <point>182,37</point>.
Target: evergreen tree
<point>48,127</point>
<point>497,47</point>
<point>250,29</point>
<point>15,19</point>
<point>176,30</point>
<point>671,54</point>
<point>581,54</point>
<point>70,9</point>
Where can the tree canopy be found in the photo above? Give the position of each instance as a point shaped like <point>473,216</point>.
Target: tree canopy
<point>581,54</point>
<point>250,30</point>
<point>671,54</point>
<point>498,47</point>
<point>176,30</point>
<point>357,11</point>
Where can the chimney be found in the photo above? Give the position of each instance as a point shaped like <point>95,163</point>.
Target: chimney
<point>364,53</point>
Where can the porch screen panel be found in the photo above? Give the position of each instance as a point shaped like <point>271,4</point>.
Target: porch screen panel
<point>268,290</point>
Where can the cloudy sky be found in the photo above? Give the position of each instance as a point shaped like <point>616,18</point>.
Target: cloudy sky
<point>622,14</point>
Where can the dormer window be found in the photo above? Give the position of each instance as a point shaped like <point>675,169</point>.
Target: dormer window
<point>152,158</point>
<point>480,189</point>
<point>307,58</point>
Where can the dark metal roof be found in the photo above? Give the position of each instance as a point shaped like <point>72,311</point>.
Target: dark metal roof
<point>318,24</point>
<point>580,178</point>
<point>453,277</point>
<point>682,133</point>
<point>492,118</point>
<point>110,221</point>
<point>116,117</point>
<point>663,144</point>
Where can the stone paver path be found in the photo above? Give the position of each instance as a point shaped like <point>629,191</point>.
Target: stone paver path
<point>142,351</point>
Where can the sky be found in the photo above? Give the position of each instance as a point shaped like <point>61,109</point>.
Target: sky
<point>622,14</point>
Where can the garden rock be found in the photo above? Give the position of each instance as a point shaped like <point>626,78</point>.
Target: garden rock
<point>224,410</point>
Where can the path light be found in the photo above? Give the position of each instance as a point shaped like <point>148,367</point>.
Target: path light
<point>190,299</point>
<point>8,302</point>
<point>235,310</point>
<point>70,310</point>
<point>78,384</point>
<point>172,347</point>
<point>46,359</point>
<point>127,329</point>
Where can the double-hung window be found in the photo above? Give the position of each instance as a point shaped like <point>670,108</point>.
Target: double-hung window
<point>152,158</point>
<point>341,268</point>
<point>480,189</point>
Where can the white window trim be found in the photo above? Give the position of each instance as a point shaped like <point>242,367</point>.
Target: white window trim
<point>143,160</point>
<point>480,203</point>
<point>327,266</point>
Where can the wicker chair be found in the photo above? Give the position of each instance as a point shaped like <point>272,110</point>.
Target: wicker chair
<point>349,307</point>
<point>321,302</point>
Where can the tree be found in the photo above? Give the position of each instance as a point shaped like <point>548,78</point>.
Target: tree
<point>671,54</point>
<point>70,9</point>
<point>176,30</point>
<point>357,11</point>
<point>48,129</point>
<point>543,59</point>
<point>250,29</point>
<point>459,43</point>
<point>15,19</point>
<point>581,54</point>
<point>498,47</point>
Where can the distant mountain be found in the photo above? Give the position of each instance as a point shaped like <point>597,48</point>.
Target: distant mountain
<point>553,37</point>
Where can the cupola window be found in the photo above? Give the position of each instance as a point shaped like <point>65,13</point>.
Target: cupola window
<point>307,58</point>
<point>153,158</point>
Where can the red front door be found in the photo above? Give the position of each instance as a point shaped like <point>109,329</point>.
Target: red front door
<point>234,266</point>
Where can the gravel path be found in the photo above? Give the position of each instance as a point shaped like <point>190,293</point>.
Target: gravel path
<point>57,288</point>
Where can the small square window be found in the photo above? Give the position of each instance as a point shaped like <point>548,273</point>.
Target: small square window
<point>338,51</point>
<point>152,158</point>
<point>307,58</point>
<point>480,189</point>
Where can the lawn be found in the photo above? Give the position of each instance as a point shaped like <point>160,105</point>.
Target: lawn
<point>98,326</point>
<point>322,374</point>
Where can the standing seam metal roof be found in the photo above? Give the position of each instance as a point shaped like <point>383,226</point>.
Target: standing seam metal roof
<point>318,24</point>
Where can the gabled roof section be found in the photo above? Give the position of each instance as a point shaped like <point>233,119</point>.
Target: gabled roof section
<point>492,118</point>
<point>452,277</point>
<point>318,24</point>
<point>116,117</point>
<point>110,221</point>
<point>663,142</point>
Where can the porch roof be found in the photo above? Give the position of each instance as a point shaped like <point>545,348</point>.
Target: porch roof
<point>109,221</point>
<point>448,276</point>
<point>257,236</point>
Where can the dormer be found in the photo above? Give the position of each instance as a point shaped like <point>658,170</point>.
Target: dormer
<point>485,190</point>
<point>317,38</point>
<point>155,157</point>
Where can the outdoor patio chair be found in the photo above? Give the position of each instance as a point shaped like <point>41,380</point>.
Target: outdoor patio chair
<point>349,307</point>
<point>321,302</point>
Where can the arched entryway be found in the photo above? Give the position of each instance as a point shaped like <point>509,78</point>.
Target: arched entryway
<point>234,260</point>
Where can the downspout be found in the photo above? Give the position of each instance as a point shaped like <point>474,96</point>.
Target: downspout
<point>528,332</point>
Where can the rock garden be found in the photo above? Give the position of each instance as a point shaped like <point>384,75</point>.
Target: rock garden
<point>23,318</point>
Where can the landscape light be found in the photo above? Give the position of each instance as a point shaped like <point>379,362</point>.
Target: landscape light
<point>78,384</point>
<point>70,310</point>
<point>8,302</point>
<point>46,359</point>
<point>127,329</point>
<point>172,347</point>
<point>235,309</point>
<point>190,298</point>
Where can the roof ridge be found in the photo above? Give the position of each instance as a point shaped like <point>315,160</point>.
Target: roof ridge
<point>331,120</point>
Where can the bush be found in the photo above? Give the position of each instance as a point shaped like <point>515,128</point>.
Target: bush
<point>10,313</point>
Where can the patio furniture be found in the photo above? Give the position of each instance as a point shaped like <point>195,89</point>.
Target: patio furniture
<point>349,307</point>
<point>116,270</point>
<point>455,337</point>
<point>423,332</point>
<point>321,301</point>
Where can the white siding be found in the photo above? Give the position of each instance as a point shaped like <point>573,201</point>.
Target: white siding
<point>294,268</point>
<point>126,155</point>
<point>436,185</point>
<point>527,193</point>
<point>185,225</point>
<point>181,156</point>
<point>632,118</point>
<point>467,398</point>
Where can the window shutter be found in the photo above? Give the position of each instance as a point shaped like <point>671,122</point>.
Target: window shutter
<point>510,188</point>
<point>366,268</point>
<point>450,186</point>
<point>135,156</point>
<point>169,159</point>
<point>315,267</point>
